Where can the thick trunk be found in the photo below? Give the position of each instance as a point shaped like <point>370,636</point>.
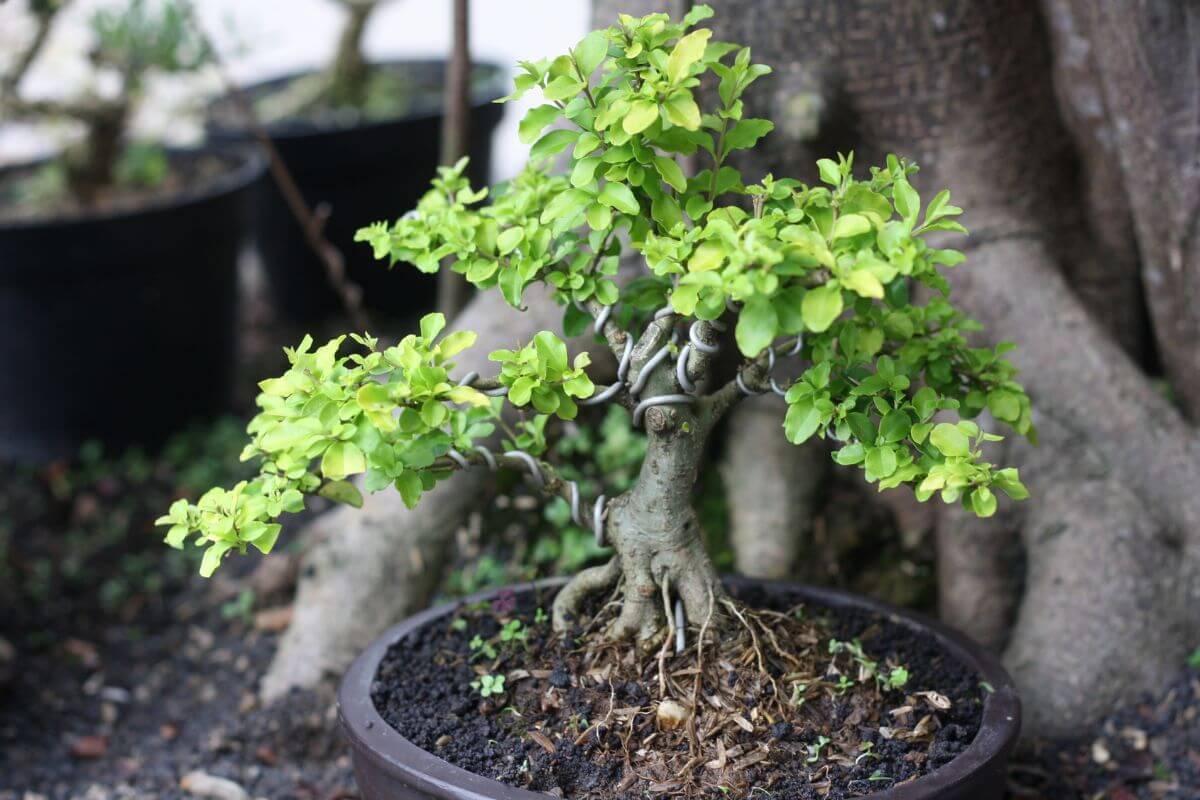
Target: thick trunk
<point>91,162</point>
<point>1100,257</point>
<point>772,487</point>
<point>1147,70</point>
<point>653,526</point>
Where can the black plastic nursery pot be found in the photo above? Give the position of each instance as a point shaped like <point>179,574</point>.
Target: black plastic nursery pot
<point>362,172</point>
<point>389,767</point>
<point>121,326</point>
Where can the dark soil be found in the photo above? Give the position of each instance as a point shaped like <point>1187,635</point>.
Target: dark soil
<point>38,192</point>
<point>120,669</point>
<point>577,725</point>
<point>1149,750</point>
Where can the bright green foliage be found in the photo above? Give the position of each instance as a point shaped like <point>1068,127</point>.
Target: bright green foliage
<point>539,374</point>
<point>489,685</point>
<point>389,413</point>
<point>835,263</point>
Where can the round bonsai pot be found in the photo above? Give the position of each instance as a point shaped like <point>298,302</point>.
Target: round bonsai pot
<point>121,325</point>
<point>389,767</point>
<point>363,172</point>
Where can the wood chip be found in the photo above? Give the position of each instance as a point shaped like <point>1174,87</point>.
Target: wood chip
<point>543,741</point>
<point>742,723</point>
<point>750,760</point>
<point>938,701</point>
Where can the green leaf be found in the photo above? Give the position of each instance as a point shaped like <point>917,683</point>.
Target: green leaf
<point>641,115</point>
<point>802,420</point>
<point>880,462</point>
<point>212,558</point>
<point>534,121</point>
<point>671,173</point>
<point>1004,405</point>
<point>925,402</point>
<point>829,171</point>
<point>599,217</point>
<point>343,492</point>
<point>757,326</point>
<point>564,87</point>
<point>590,51</point>
<point>687,51</point>
<point>707,256</point>
<point>620,197</point>
<point>682,111</point>
<point>821,306</point>
<point>507,241</point>
<point>949,440</point>
<point>908,202</point>
<point>894,427</point>
<point>863,283</point>
<point>552,143</point>
<point>1009,481</point>
<point>746,133</point>
<point>408,483</point>
<point>862,427</point>
<point>787,306</point>
<point>849,225</point>
<point>983,502</point>
<point>851,454</point>
<point>342,459</point>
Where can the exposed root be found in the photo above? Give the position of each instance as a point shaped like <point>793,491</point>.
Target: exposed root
<point>715,709</point>
<point>570,598</point>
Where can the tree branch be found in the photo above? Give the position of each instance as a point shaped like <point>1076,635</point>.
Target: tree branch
<point>25,59</point>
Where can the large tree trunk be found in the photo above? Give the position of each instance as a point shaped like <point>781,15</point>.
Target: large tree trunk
<point>772,486</point>
<point>1111,536</point>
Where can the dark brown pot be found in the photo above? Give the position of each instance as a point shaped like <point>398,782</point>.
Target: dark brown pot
<point>389,767</point>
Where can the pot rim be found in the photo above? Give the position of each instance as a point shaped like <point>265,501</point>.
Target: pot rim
<point>249,166</point>
<point>372,737</point>
<point>482,98</point>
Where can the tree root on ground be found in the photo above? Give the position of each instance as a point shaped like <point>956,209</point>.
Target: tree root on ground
<point>721,705</point>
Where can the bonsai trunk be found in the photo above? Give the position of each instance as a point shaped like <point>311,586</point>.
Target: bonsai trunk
<point>91,163</point>
<point>655,530</point>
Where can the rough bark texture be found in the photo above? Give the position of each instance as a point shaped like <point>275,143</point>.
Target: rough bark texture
<point>978,569</point>
<point>772,487</point>
<point>1112,534</point>
<point>1147,67</point>
<point>369,568</point>
<point>653,526</point>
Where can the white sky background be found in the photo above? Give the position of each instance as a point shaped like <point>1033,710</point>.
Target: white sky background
<point>263,38</point>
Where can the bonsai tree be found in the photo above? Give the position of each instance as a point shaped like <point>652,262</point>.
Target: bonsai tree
<point>346,81</point>
<point>830,275</point>
<point>131,43</point>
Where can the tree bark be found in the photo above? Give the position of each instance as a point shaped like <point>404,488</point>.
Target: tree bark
<point>772,487</point>
<point>1112,533</point>
<point>1147,68</point>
